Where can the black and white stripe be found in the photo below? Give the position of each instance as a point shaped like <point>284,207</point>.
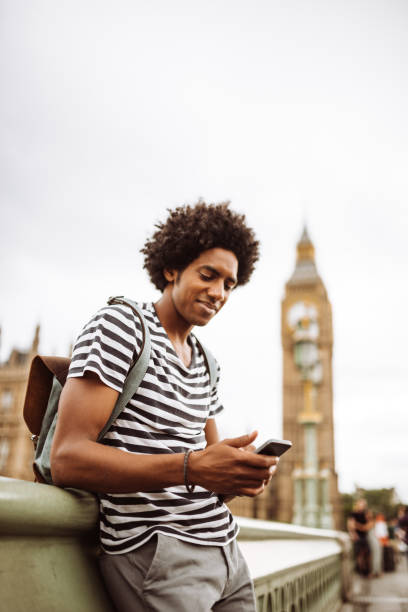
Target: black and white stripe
<point>167,414</point>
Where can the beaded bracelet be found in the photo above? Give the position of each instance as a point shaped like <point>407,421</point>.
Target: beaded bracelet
<point>190,487</point>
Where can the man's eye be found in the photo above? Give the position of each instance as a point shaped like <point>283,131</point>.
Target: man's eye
<point>205,277</point>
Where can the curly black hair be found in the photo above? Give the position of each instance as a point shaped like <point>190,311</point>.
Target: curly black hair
<point>190,230</point>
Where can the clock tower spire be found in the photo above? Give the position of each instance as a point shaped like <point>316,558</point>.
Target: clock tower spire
<point>306,485</point>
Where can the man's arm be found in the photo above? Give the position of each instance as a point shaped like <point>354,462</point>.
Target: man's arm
<point>77,460</point>
<point>351,528</point>
<point>211,432</point>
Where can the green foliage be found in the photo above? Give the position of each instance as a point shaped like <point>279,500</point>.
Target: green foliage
<point>378,500</point>
<point>382,500</point>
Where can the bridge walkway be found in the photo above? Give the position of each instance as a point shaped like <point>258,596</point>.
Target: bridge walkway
<point>388,593</point>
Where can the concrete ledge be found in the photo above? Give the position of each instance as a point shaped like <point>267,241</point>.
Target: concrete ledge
<point>270,556</point>
<point>255,529</point>
<point>30,508</point>
<point>48,540</point>
<point>48,562</point>
<point>296,567</point>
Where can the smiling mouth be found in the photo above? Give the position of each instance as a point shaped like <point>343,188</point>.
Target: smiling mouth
<point>208,306</point>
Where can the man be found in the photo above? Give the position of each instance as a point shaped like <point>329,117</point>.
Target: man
<point>359,524</point>
<point>161,473</point>
<point>402,525</point>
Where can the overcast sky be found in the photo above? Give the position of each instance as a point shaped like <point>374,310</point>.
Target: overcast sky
<point>112,112</point>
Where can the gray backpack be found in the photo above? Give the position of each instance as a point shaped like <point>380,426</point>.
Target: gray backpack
<point>47,377</point>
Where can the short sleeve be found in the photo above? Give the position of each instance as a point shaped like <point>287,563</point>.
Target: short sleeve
<point>108,345</point>
<point>215,405</point>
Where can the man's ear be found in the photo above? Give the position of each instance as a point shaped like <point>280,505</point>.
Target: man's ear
<point>170,275</point>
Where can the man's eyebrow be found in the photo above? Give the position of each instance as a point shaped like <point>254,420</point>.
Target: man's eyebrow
<point>216,273</point>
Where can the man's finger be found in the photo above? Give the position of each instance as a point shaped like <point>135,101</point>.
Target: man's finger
<point>242,440</point>
<point>252,491</point>
<point>259,461</point>
<point>249,448</point>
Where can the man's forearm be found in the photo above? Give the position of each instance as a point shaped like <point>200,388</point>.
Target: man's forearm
<point>221,467</point>
<point>96,467</point>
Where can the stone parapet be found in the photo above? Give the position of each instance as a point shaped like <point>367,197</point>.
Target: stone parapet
<point>49,545</point>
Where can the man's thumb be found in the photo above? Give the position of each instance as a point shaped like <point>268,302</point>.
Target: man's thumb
<point>242,440</point>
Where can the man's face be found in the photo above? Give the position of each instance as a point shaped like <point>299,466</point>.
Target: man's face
<point>201,289</point>
<point>361,505</point>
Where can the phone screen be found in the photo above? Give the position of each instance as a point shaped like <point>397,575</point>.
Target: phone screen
<point>274,447</point>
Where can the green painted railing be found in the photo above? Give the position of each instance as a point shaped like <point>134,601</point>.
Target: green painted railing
<point>48,549</point>
<point>297,569</point>
<point>48,546</point>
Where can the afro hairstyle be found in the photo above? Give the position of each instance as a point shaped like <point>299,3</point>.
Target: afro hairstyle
<point>190,230</point>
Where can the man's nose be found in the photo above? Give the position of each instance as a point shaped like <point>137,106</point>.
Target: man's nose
<point>216,290</point>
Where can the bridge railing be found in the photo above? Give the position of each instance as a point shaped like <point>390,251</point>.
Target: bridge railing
<point>48,548</point>
<point>296,569</point>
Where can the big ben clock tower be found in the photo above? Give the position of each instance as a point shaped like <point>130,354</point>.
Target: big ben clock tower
<point>305,490</point>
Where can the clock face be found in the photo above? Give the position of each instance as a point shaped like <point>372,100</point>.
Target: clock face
<point>302,320</point>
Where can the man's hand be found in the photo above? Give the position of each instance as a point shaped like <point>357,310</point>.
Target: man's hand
<point>228,468</point>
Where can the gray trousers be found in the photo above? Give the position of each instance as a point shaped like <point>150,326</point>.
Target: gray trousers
<point>170,575</point>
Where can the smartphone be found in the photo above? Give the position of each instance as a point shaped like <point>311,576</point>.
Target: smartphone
<point>274,447</point>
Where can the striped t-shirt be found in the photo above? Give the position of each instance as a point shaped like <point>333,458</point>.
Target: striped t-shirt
<point>167,414</point>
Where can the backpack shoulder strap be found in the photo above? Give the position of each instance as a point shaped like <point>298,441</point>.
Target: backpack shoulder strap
<point>137,371</point>
<point>210,361</point>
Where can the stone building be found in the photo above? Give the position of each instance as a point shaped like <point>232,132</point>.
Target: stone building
<point>305,488</point>
<point>16,448</point>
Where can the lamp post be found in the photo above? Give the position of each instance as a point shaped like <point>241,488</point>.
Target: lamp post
<point>306,480</point>
<point>326,516</point>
